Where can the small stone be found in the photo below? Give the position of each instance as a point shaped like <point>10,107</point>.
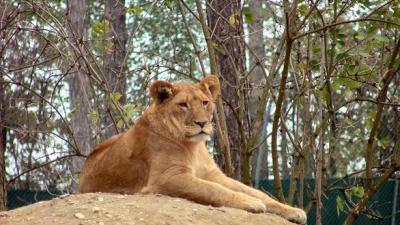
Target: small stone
<point>109,215</point>
<point>101,223</point>
<point>64,196</point>
<point>216,209</point>
<point>96,209</point>
<point>100,199</point>
<point>141,219</point>
<point>79,216</point>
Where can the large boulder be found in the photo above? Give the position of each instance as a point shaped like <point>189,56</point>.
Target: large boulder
<point>114,209</point>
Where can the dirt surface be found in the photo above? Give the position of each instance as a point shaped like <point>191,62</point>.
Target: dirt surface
<point>114,209</point>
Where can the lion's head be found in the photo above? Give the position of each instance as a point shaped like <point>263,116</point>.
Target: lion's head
<point>184,109</point>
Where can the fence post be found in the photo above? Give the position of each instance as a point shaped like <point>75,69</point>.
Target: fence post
<point>395,194</point>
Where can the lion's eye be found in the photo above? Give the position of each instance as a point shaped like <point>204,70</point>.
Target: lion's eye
<point>205,103</point>
<point>183,104</point>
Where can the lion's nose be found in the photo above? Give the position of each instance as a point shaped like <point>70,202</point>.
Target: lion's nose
<point>200,123</point>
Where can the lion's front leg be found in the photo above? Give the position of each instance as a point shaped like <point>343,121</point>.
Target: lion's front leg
<point>293,214</point>
<point>205,192</point>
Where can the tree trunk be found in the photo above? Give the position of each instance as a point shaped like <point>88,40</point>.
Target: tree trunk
<point>320,151</point>
<point>79,87</point>
<point>230,59</point>
<point>307,139</point>
<point>261,165</point>
<point>3,181</point>
<point>284,148</point>
<point>114,62</point>
<point>257,47</point>
<point>257,51</point>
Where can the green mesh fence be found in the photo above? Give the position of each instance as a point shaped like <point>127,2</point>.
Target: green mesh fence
<point>19,198</point>
<point>381,204</point>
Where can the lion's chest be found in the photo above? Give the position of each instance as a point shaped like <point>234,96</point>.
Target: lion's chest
<point>202,163</point>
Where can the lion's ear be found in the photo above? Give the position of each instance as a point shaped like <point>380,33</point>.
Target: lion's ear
<point>161,90</point>
<point>211,85</point>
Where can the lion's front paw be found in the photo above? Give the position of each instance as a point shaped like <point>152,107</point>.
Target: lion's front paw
<point>248,203</point>
<point>297,216</point>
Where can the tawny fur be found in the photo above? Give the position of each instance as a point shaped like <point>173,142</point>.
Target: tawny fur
<point>165,152</point>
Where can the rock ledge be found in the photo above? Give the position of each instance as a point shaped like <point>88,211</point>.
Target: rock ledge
<point>115,209</point>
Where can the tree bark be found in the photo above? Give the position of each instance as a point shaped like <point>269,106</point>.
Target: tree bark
<point>79,87</point>
<point>319,151</point>
<point>114,61</point>
<point>257,46</point>
<point>230,58</point>
<point>307,146</point>
<point>261,165</point>
<point>3,181</point>
<point>290,29</point>
<point>284,148</point>
<point>275,125</point>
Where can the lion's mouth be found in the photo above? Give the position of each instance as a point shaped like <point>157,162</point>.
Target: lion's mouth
<point>200,133</point>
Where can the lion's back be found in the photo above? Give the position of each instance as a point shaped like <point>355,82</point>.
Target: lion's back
<point>111,168</point>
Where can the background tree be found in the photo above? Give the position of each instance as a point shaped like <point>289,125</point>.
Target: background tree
<point>115,57</point>
<point>254,16</point>
<point>3,136</point>
<point>79,86</point>
<point>3,181</point>
<point>227,23</point>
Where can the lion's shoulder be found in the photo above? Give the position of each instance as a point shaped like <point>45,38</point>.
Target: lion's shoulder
<point>104,145</point>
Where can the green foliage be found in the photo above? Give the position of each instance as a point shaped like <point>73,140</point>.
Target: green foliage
<point>249,15</point>
<point>349,82</point>
<point>99,30</point>
<point>217,47</point>
<point>130,111</point>
<point>94,116</point>
<point>115,97</point>
<point>134,10</point>
<point>325,94</point>
<point>72,112</point>
<point>339,205</point>
<point>303,9</point>
<point>396,11</point>
<point>120,123</point>
<point>233,19</point>
<point>384,142</point>
<point>358,191</point>
<point>169,3</point>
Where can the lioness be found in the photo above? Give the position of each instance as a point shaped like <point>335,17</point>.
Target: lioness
<point>165,152</point>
